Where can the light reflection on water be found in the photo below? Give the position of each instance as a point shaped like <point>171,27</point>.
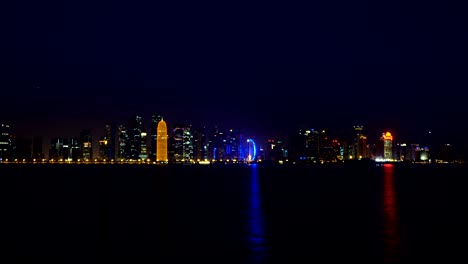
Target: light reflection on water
<point>391,230</point>
<point>256,223</point>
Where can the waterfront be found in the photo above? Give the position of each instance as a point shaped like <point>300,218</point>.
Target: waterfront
<point>234,213</point>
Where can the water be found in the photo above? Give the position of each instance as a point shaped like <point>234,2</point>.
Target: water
<point>233,213</point>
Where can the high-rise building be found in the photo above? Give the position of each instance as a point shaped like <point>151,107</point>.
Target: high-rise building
<point>275,150</point>
<point>182,143</point>
<point>75,149</point>
<point>111,138</point>
<point>388,146</point>
<point>312,141</point>
<point>103,148</point>
<point>200,144</point>
<point>86,145</point>
<point>187,149</point>
<point>355,154</point>
<point>134,134</point>
<point>161,143</point>
<point>360,148</point>
<point>297,144</point>
<point>178,143</point>
<point>233,145</point>
<point>143,146</point>
<point>59,149</point>
<point>123,145</point>
<point>155,119</point>
<point>6,144</point>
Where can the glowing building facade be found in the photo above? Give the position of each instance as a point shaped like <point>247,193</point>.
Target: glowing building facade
<point>155,119</point>
<point>388,146</point>
<point>161,143</point>
<point>143,146</point>
<point>86,142</point>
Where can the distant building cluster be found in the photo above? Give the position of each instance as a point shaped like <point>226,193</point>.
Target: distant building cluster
<point>130,142</point>
<point>317,146</point>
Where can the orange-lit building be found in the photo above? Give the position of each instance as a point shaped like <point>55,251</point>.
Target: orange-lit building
<point>161,143</point>
<point>388,146</point>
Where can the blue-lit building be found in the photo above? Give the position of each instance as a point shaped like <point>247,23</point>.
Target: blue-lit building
<point>232,145</point>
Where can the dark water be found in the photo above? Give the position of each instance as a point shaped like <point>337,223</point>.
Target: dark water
<point>233,213</point>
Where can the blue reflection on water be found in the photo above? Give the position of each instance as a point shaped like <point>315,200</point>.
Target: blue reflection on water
<point>256,223</point>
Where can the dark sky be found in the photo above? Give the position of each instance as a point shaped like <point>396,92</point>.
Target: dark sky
<point>253,65</point>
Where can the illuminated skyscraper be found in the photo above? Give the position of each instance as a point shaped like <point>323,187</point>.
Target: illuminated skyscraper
<point>143,147</point>
<point>103,147</point>
<point>161,144</point>
<point>388,146</point>
<point>134,134</point>
<point>187,149</point>
<point>155,119</point>
<point>200,144</point>
<point>86,142</point>
<point>111,138</point>
<point>123,143</point>
<point>177,143</point>
<point>360,148</point>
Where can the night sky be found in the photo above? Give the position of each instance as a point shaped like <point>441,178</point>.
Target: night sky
<point>256,66</point>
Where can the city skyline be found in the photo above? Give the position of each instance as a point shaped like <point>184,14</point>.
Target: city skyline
<point>132,140</point>
<point>72,66</point>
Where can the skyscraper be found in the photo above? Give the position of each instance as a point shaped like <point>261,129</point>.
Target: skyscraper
<point>86,142</point>
<point>388,146</point>
<point>360,148</point>
<point>178,143</point>
<point>6,147</point>
<point>200,144</point>
<point>123,143</point>
<point>111,139</point>
<point>187,148</point>
<point>143,146</point>
<point>134,134</point>
<point>155,119</point>
<point>161,147</point>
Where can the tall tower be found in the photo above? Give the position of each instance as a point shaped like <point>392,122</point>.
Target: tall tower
<point>357,146</point>
<point>161,144</point>
<point>134,134</point>
<point>155,119</point>
<point>143,147</point>
<point>388,146</point>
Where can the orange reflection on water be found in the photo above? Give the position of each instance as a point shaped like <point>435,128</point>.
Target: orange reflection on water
<point>391,232</point>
